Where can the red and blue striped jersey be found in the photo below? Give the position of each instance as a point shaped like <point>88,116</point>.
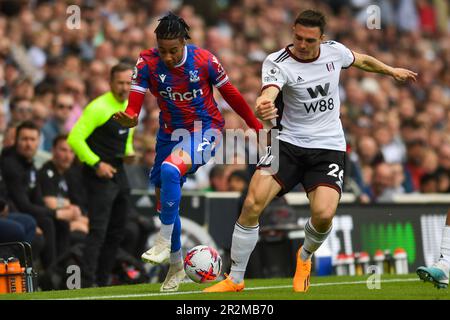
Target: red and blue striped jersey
<point>184,93</point>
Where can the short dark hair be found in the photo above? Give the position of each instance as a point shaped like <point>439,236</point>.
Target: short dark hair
<point>416,142</point>
<point>240,175</point>
<point>120,67</point>
<point>217,171</point>
<point>312,18</point>
<point>427,178</point>
<point>58,138</point>
<point>172,27</point>
<point>410,123</point>
<point>26,125</point>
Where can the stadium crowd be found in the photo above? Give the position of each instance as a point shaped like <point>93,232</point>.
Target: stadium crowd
<point>398,136</point>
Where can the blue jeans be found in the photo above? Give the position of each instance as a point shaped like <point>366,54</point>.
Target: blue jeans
<point>17,227</point>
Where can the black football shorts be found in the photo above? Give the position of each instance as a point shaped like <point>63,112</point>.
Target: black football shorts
<point>310,167</point>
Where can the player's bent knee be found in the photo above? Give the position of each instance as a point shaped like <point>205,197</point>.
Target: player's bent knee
<point>323,219</point>
<point>323,209</point>
<point>169,172</point>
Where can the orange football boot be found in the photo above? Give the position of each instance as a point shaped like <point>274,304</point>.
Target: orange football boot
<point>226,286</point>
<point>302,274</point>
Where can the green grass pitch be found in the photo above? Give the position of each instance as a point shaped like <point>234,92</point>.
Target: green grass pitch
<point>392,287</point>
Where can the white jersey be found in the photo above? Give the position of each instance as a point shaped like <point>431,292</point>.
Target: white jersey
<point>309,106</point>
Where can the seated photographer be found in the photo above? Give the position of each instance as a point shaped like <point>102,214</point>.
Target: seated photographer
<point>57,182</point>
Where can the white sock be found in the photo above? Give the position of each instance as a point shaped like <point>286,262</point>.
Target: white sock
<point>176,257</point>
<point>166,231</point>
<point>313,240</point>
<point>243,243</point>
<point>445,246</point>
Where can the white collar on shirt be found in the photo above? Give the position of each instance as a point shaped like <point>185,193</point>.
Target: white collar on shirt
<point>184,58</point>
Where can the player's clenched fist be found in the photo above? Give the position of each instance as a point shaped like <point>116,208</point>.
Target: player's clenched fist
<point>265,110</point>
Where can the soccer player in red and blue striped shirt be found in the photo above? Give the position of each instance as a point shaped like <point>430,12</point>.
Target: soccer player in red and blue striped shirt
<point>181,77</point>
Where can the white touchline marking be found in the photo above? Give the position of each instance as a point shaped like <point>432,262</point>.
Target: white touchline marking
<point>159,294</point>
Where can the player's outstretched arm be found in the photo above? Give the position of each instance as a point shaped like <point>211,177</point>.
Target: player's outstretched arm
<point>371,64</point>
<point>233,97</point>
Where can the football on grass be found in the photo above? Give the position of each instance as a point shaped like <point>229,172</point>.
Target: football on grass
<point>202,264</point>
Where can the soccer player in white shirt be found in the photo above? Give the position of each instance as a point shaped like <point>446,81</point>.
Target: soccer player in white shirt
<point>300,91</point>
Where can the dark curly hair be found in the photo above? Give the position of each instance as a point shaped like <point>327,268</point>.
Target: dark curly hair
<point>172,27</point>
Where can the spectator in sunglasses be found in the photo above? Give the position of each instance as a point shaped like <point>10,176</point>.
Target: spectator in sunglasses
<point>20,110</point>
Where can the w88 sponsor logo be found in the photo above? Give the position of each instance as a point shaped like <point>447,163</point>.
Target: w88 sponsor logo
<point>321,106</point>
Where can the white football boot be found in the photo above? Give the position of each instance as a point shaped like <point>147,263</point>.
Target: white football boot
<point>174,277</point>
<point>159,253</point>
<point>436,274</point>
